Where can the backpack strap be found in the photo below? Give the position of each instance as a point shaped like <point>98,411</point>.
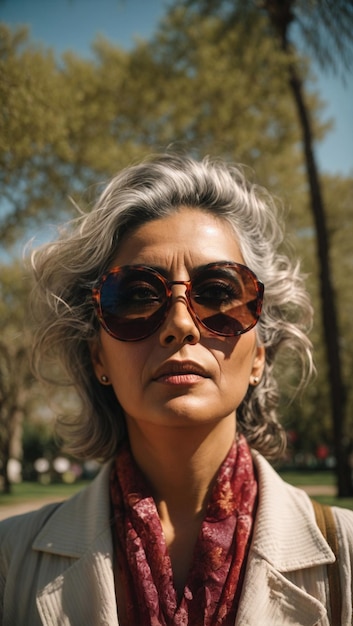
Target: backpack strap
<point>326,524</point>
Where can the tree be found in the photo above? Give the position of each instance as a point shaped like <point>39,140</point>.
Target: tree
<point>16,382</point>
<point>31,130</point>
<point>326,26</point>
<point>56,129</point>
<point>338,193</point>
<point>66,125</point>
<point>310,417</point>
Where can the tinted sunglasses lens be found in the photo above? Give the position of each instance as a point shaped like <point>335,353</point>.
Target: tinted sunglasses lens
<point>227,299</point>
<point>133,303</point>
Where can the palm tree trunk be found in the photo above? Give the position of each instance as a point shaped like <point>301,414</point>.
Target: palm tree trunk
<point>328,299</point>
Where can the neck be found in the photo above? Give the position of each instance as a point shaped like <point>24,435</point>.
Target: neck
<point>181,463</point>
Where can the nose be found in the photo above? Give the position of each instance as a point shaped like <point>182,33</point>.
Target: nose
<point>179,326</point>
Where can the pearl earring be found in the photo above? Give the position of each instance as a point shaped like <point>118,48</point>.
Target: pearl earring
<point>255,380</point>
<point>104,379</point>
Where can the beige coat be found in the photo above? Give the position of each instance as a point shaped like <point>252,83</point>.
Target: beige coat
<point>56,563</point>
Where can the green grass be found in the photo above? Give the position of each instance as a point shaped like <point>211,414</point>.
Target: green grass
<point>34,491</point>
<point>303,478</point>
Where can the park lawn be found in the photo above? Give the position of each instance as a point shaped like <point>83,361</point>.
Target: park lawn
<point>26,491</point>
<point>314,478</point>
<point>303,478</point>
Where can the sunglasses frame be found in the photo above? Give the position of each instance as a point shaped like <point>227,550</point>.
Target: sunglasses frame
<point>259,290</point>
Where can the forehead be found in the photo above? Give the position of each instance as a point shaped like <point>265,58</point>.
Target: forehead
<point>189,235</point>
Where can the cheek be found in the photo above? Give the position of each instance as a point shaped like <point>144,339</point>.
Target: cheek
<point>235,372</point>
<point>236,365</point>
<point>236,354</point>
<point>126,366</point>
<point>123,381</point>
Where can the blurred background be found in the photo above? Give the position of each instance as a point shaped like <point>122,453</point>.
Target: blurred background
<point>88,87</point>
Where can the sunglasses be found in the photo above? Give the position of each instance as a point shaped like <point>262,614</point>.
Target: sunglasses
<point>132,301</point>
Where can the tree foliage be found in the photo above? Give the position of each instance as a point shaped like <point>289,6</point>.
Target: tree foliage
<point>16,382</point>
<point>32,131</point>
<point>67,125</point>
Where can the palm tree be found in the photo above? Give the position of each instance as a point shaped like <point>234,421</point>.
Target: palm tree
<point>325,27</point>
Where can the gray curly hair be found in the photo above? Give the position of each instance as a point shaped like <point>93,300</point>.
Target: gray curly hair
<point>65,272</point>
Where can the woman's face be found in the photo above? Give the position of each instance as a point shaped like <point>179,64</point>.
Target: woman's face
<point>182,374</point>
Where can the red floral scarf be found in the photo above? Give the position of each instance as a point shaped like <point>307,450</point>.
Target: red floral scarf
<point>213,587</point>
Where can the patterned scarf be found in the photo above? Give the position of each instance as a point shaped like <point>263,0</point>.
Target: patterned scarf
<point>213,587</point>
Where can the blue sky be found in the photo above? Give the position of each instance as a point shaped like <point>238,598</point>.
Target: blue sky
<point>74,24</point>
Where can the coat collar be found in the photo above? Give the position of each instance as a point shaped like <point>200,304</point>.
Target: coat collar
<point>287,544</point>
<point>79,531</point>
<point>79,521</point>
<point>286,534</point>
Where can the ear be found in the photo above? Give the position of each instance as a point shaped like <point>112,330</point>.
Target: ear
<point>258,365</point>
<point>97,360</point>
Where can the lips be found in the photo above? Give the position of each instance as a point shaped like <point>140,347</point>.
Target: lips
<point>182,369</point>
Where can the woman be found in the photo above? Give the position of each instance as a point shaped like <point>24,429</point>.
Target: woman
<point>155,304</point>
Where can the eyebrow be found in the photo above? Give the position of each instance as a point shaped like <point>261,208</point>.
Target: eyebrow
<point>165,273</point>
<point>161,270</point>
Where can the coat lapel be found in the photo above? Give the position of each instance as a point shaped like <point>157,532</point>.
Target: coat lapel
<point>84,593</point>
<point>270,599</point>
<point>81,589</point>
<point>288,554</point>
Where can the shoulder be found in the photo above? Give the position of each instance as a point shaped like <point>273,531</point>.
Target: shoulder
<point>29,523</point>
<point>21,530</point>
<point>19,533</point>
<point>273,486</point>
<point>291,508</point>
<point>344,517</point>
<point>344,525</point>
<point>89,501</point>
